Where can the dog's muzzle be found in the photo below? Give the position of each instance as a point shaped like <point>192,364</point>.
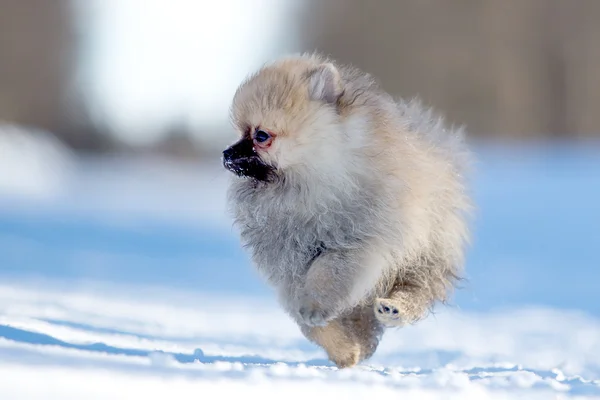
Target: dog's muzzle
<point>242,160</point>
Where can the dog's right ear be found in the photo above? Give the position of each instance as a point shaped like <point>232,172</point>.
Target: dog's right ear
<point>325,83</point>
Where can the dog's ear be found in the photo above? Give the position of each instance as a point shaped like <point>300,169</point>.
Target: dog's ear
<point>325,83</point>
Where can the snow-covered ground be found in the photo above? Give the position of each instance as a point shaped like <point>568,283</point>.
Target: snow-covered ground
<point>124,279</point>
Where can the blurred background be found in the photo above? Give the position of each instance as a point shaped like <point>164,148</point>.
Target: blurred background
<point>113,114</point>
<point>137,75</point>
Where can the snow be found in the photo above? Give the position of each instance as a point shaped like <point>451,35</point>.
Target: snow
<point>34,164</point>
<point>154,343</point>
<point>123,278</point>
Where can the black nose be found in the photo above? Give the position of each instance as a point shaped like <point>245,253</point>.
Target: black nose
<point>241,149</point>
<point>228,153</point>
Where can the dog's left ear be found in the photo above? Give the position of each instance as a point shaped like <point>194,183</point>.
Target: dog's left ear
<point>325,83</point>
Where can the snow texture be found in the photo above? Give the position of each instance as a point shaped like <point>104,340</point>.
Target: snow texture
<point>124,279</point>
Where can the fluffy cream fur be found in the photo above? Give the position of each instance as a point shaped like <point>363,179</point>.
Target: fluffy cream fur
<point>364,222</point>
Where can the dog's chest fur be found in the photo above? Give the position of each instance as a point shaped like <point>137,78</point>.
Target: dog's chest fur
<point>286,228</point>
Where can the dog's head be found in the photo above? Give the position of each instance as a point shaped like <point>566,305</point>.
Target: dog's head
<point>287,118</point>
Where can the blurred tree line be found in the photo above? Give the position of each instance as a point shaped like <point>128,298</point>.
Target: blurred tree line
<point>516,68</point>
<point>504,68</point>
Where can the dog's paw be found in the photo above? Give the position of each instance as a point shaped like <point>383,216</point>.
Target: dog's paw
<point>347,359</point>
<point>388,313</point>
<point>312,313</point>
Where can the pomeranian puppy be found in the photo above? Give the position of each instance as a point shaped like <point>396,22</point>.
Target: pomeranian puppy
<point>353,205</point>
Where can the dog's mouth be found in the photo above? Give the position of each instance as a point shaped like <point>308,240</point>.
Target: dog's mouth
<point>242,160</point>
<point>249,167</point>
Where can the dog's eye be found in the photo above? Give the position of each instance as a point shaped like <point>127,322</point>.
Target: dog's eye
<point>261,136</point>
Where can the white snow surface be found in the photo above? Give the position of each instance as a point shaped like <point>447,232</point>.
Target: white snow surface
<point>148,344</point>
